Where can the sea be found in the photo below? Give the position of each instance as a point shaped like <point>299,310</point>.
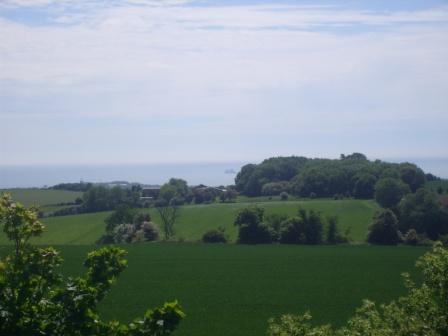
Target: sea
<point>212,174</point>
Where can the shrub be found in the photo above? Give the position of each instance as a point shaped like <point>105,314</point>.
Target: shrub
<point>284,195</point>
<point>293,231</point>
<point>306,228</point>
<point>34,299</point>
<point>333,234</point>
<point>215,236</point>
<point>252,230</point>
<point>411,238</point>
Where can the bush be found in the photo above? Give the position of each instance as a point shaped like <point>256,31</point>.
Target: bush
<point>333,234</point>
<point>252,230</point>
<point>34,299</point>
<point>215,236</point>
<point>306,228</point>
<point>384,229</point>
<point>284,195</point>
<point>293,231</point>
<point>411,238</point>
<point>255,234</point>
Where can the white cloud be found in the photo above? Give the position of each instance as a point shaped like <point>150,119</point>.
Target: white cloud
<point>289,69</point>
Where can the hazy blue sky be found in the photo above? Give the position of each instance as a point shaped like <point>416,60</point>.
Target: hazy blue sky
<point>143,81</point>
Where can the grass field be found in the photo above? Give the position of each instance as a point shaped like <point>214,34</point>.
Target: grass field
<point>194,220</point>
<point>234,289</point>
<point>42,197</point>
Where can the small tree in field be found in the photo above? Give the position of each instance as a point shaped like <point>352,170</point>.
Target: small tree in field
<point>169,212</point>
<point>35,300</point>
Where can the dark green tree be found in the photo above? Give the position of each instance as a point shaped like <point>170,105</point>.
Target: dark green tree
<point>424,213</point>
<point>389,192</point>
<point>364,186</point>
<point>384,229</point>
<point>413,176</point>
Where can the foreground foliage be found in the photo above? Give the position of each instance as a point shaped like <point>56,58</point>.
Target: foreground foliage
<point>423,311</point>
<point>35,300</point>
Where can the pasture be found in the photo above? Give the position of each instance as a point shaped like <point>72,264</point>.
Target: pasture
<point>234,289</point>
<point>42,197</point>
<point>194,220</point>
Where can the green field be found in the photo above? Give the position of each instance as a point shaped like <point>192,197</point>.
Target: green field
<point>234,289</point>
<point>194,220</point>
<point>42,197</point>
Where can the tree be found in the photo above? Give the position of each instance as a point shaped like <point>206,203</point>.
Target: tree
<point>413,176</point>
<point>423,212</point>
<point>422,311</point>
<point>384,229</point>
<point>364,186</point>
<point>35,300</point>
<point>389,192</point>
<point>169,212</point>
<point>176,190</point>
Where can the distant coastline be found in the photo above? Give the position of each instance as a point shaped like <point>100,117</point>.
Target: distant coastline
<point>214,174</point>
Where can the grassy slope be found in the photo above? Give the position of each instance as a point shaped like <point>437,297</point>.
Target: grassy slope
<point>194,220</point>
<point>41,197</point>
<point>234,289</point>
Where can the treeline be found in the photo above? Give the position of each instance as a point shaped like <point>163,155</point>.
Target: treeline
<point>102,198</point>
<point>78,186</point>
<point>99,197</point>
<point>349,176</point>
<point>177,192</point>
<point>307,227</point>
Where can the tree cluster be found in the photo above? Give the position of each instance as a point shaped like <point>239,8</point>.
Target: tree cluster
<point>79,186</point>
<point>36,300</point>
<point>126,225</point>
<point>307,227</point>
<point>412,219</point>
<point>176,191</point>
<point>351,175</point>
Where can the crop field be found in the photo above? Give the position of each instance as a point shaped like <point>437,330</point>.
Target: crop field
<point>194,220</point>
<point>42,197</point>
<point>234,289</point>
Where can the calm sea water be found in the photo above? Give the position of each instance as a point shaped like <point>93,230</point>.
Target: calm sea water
<point>194,173</point>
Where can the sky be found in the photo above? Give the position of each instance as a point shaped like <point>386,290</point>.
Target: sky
<point>148,81</point>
